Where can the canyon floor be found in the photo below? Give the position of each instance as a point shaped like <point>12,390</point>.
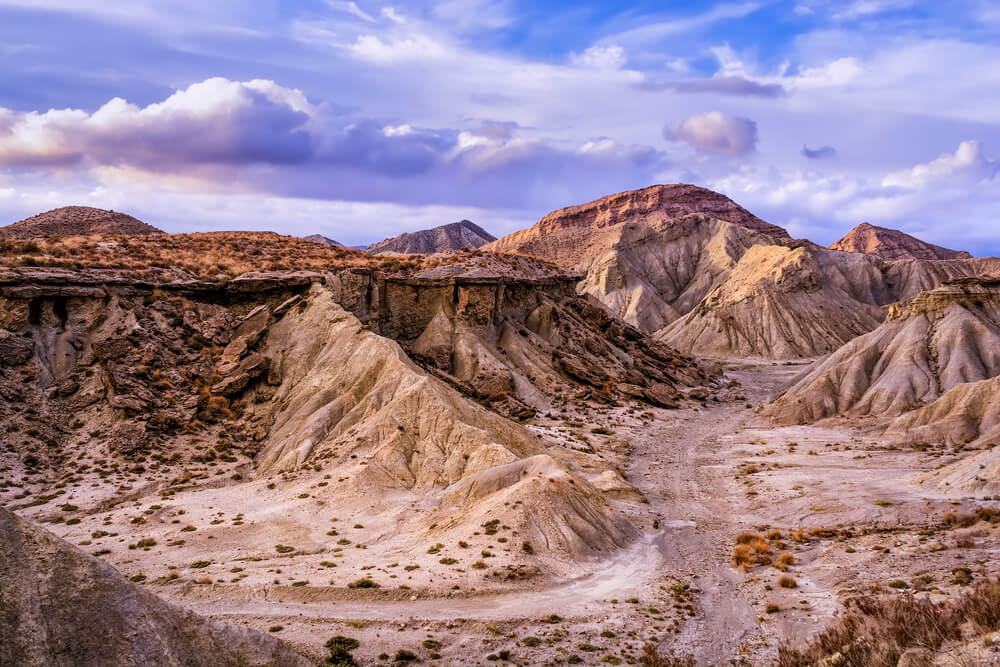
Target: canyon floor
<point>271,555</point>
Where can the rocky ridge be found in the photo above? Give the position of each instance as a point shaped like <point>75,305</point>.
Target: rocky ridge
<point>417,369</point>
<point>319,238</point>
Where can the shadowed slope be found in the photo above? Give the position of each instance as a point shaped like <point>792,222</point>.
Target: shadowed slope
<point>63,607</point>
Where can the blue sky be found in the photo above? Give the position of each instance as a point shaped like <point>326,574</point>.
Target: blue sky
<point>363,119</point>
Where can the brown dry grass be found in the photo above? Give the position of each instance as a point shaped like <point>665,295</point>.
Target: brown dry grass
<point>875,630</point>
<point>210,255</point>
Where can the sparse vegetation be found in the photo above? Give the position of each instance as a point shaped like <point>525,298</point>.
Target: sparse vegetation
<point>875,630</point>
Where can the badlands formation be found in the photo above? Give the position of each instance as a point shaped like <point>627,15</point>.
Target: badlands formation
<point>652,429</point>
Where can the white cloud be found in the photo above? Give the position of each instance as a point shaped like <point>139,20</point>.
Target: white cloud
<point>864,8</point>
<point>394,50</point>
<point>716,132</point>
<point>601,57</point>
<point>967,163</point>
<point>658,30</point>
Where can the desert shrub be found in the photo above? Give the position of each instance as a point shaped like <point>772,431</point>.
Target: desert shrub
<point>742,556</point>
<point>787,581</point>
<point>959,520</point>
<point>340,651</point>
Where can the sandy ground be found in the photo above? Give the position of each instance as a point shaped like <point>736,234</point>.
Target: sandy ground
<point>282,559</point>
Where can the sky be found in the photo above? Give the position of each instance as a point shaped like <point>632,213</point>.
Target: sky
<point>364,119</point>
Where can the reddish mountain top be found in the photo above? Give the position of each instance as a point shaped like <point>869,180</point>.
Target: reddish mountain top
<point>659,201</point>
<point>568,235</point>
<point>893,244</point>
<point>77,221</point>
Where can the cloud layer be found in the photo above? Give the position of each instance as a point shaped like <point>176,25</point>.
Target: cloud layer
<point>813,113</point>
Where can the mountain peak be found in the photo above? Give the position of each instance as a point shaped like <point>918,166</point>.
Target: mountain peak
<point>892,244</point>
<point>77,221</point>
<point>660,201</point>
<point>453,236</point>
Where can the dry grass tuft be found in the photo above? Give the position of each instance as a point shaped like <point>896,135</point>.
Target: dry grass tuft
<point>875,630</point>
<point>784,561</point>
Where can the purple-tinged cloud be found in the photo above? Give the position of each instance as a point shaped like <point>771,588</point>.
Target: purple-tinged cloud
<point>257,136</point>
<point>725,85</point>
<point>821,153</point>
<point>213,122</point>
<point>716,132</point>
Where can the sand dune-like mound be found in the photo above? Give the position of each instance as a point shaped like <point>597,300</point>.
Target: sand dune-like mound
<point>893,244</point>
<point>455,236</point>
<point>650,272</point>
<point>555,510</point>
<point>939,340</point>
<point>64,607</point>
<point>77,221</point>
<point>976,476</point>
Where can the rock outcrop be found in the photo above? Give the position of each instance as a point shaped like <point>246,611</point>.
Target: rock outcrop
<point>512,332</point>
<point>64,607</point>
<point>455,236</point>
<point>401,382</point>
<point>77,221</point>
<point>893,244</point>
<point>941,339</point>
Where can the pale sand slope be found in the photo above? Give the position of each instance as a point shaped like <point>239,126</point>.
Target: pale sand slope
<point>63,607</point>
<point>941,339</point>
<point>968,414</point>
